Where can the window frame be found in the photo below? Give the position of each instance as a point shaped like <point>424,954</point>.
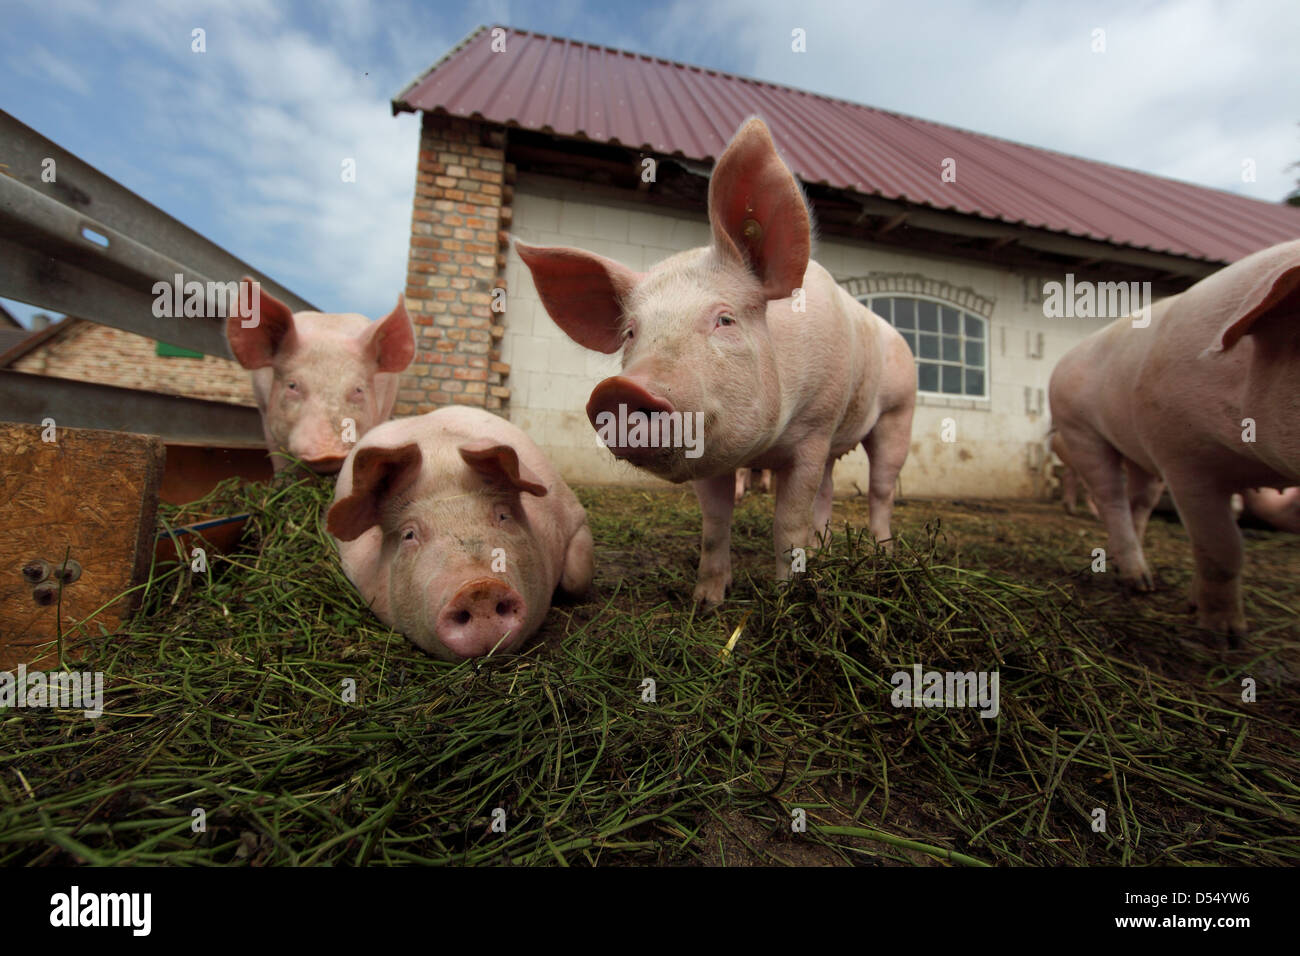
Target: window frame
<point>962,312</point>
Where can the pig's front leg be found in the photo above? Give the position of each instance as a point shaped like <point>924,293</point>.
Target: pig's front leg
<point>1217,550</point>
<point>797,486</point>
<point>822,507</point>
<point>742,482</point>
<point>717,499</point>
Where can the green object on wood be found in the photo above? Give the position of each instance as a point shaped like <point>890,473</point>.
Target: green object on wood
<point>175,351</point>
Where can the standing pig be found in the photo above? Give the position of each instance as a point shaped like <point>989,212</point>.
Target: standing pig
<point>1207,395</point>
<point>456,530</point>
<point>753,343</point>
<point>745,477</point>
<point>313,370</point>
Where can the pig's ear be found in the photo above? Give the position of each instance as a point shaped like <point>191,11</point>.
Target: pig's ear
<point>1277,293</point>
<point>583,292</point>
<point>377,475</point>
<point>497,462</point>
<point>757,212</point>
<point>256,347</point>
<point>390,342</point>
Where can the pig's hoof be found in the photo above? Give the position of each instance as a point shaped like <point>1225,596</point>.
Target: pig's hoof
<point>1229,625</point>
<point>1142,582</point>
<point>709,594</point>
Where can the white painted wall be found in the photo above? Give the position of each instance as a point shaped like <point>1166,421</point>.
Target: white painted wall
<point>999,446</point>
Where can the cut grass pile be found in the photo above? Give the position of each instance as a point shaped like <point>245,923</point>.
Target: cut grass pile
<point>226,694</point>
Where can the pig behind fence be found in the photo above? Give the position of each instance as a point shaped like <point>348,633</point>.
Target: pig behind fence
<point>1207,395</point>
<point>321,380</point>
<point>457,531</point>
<point>752,341</point>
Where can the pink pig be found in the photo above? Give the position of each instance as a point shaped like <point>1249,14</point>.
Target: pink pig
<point>1070,486</point>
<point>1208,396</point>
<point>746,476</point>
<point>753,343</point>
<point>313,371</point>
<point>457,531</point>
<point>1281,509</point>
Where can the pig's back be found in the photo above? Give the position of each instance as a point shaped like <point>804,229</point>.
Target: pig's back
<point>437,431</point>
<point>554,518</point>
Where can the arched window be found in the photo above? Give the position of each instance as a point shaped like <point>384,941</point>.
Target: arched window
<point>950,344</point>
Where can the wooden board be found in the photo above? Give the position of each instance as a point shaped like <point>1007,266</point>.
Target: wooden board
<point>194,470</point>
<point>92,494</point>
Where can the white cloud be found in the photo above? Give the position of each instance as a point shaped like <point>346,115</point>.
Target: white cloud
<point>1184,89</point>
<point>42,63</point>
<point>244,142</point>
<point>261,123</point>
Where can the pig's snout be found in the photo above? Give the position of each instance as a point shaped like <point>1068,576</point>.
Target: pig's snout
<point>618,393</point>
<point>622,398</point>
<point>478,616</point>
<point>326,464</point>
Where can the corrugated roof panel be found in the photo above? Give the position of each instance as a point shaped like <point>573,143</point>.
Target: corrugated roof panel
<point>577,90</point>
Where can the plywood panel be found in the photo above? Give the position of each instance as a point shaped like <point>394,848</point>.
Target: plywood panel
<point>90,494</point>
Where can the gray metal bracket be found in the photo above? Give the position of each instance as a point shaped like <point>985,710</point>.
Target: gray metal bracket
<point>50,258</point>
<point>83,244</point>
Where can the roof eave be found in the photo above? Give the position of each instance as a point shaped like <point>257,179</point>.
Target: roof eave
<point>37,339</point>
<point>399,103</point>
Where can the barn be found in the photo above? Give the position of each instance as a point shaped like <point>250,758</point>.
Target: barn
<point>954,236</point>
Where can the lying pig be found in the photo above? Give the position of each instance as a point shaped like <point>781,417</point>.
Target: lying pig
<point>746,476</point>
<point>456,530</point>
<point>1206,395</point>
<point>753,343</point>
<point>1280,509</point>
<point>313,372</point>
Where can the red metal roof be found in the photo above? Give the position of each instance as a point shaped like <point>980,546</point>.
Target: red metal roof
<point>572,89</point>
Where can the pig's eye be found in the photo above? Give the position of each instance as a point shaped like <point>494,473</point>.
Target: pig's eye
<point>726,318</point>
<point>503,515</point>
<point>292,386</point>
<point>628,335</point>
<point>408,534</point>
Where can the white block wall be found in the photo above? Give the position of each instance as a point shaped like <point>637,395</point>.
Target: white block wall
<point>998,451</point>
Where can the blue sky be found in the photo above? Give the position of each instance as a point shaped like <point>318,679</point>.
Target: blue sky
<point>245,141</point>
